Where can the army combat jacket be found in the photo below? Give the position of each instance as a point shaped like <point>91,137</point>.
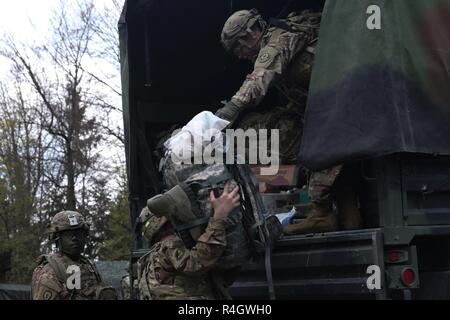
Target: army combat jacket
<point>285,61</point>
<point>170,271</point>
<point>50,278</point>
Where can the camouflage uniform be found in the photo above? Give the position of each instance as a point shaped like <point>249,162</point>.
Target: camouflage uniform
<point>48,284</point>
<point>338,185</point>
<point>287,121</point>
<point>281,62</point>
<point>125,287</point>
<point>49,281</point>
<point>320,183</point>
<point>284,60</point>
<point>170,271</point>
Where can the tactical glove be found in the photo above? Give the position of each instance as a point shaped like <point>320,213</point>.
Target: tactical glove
<point>229,112</point>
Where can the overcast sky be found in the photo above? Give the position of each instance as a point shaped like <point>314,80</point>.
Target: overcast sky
<point>28,20</point>
<point>17,16</point>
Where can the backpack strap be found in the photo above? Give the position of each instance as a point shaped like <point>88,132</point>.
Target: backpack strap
<point>58,268</point>
<point>281,24</point>
<point>259,226</point>
<point>214,181</point>
<point>61,271</point>
<point>193,224</point>
<point>93,267</point>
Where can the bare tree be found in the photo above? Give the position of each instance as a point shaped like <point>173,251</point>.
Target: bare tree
<point>106,50</point>
<point>64,93</point>
<point>58,113</point>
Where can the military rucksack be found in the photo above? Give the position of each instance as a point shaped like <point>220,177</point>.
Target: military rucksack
<point>307,24</point>
<point>304,21</point>
<point>245,231</point>
<point>200,179</point>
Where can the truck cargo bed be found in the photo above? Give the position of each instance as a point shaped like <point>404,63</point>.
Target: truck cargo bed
<point>330,265</point>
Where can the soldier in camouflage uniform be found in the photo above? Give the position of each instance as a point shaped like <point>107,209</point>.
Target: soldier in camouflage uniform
<point>51,278</point>
<point>125,285</point>
<point>282,57</point>
<point>170,270</point>
<point>283,54</point>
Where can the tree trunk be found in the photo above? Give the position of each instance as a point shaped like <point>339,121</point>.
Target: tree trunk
<point>70,194</point>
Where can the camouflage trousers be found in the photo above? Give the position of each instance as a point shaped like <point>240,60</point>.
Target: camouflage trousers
<point>321,182</point>
<point>289,122</point>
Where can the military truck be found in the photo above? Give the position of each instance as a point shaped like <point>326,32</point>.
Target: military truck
<point>378,101</point>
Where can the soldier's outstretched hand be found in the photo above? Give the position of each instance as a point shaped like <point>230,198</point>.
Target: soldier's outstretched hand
<point>226,202</point>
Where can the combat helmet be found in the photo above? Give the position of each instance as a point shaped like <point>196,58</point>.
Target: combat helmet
<point>238,26</point>
<point>66,220</point>
<point>151,224</point>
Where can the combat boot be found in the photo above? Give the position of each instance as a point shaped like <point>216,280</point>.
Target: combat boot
<point>349,215</point>
<point>321,219</point>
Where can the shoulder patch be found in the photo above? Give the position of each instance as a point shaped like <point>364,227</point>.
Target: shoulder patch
<point>48,295</point>
<point>179,253</point>
<point>266,57</point>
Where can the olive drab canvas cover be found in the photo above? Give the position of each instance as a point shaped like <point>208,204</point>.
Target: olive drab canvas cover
<point>380,82</point>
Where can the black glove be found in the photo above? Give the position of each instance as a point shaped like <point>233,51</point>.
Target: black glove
<point>229,112</point>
